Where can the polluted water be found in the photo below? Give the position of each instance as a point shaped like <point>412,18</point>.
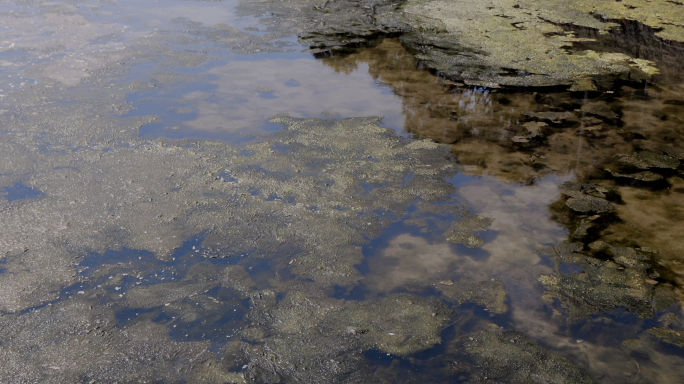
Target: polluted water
<point>337,191</point>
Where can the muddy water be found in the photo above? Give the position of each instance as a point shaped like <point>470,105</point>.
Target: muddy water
<point>190,195</point>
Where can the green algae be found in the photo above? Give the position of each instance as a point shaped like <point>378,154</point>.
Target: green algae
<point>207,200</point>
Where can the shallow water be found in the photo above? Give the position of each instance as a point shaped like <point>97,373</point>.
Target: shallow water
<point>160,225</point>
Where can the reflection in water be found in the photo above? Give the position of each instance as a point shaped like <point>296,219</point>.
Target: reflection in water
<point>331,248</point>
<point>259,88</point>
<point>627,141</point>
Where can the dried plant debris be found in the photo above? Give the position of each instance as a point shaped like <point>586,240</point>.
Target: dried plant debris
<point>305,338</point>
<point>586,197</point>
<point>510,357</point>
<point>626,281</point>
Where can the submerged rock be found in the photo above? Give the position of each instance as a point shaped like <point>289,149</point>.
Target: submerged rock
<point>76,339</point>
<point>309,201</point>
<point>649,159</point>
<point>600,109</point>
<point>647,176</point>
<point>552,117</point>
<point>510,357</point>
<point>319,339</point>
<point>669,336</point>
<point>603,285</point>
<point>489,293</point>
<point>461,232</point>
<point>586,198</point>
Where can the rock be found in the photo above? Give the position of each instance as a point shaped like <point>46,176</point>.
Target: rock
<point>600,109</point>
<point>552,117</point>
<point>511,355</point>
<point>647,176</point>
<point>649,159</point>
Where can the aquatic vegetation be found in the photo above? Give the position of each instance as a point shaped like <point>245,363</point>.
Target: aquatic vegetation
<point>497,353</point>
<point>334,250</point>
<point>304,337</point>
<point>625,281</point>
<point>77,339</point>
<point>461,232</point>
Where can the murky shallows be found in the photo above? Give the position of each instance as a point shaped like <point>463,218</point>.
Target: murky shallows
<point>189,195</point>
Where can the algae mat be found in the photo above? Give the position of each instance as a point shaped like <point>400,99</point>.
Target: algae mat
<point>514,236</point>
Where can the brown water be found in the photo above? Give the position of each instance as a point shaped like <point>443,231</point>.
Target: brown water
<point>144,180</point>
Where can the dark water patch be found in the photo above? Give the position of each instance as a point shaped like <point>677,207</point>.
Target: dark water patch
<point>381,358</point>
<point>669,348</point>
<point>462,179</point>
<point>128,315</point>
<point>358,292</point>
<point>568,268</point>
<point>370,187</point>
<point>611,328</point>
<point>220,325</point>
<point>282,148</point>
<point>422,291</point>
<point>375,246</point>
<point>20,191</point>
<point>132,257</point>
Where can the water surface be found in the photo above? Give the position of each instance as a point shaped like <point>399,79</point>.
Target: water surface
<point>191,195</point>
